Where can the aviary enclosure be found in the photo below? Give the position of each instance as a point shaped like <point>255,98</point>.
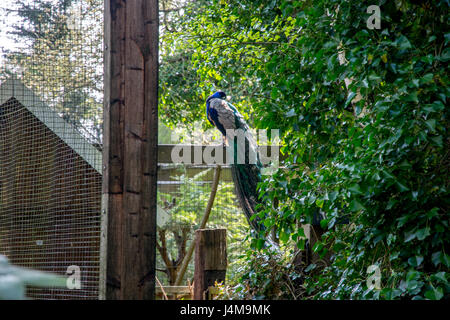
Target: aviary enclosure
<point>97,97</point>
<point>51,171</point>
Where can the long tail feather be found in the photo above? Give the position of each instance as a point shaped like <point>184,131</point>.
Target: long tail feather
<point>246,178</point>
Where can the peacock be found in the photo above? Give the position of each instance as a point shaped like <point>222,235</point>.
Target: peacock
<point>246,172</point>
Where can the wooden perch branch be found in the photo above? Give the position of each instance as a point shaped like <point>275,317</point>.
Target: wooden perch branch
<point>172,263</point>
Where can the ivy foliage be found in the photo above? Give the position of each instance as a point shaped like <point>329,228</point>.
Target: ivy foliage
<point>365,129</point>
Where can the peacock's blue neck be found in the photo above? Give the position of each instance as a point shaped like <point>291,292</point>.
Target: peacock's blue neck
<point>207,106</point>
<point>208,116</point>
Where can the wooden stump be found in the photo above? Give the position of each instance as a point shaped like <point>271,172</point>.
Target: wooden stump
<point>210,260</point>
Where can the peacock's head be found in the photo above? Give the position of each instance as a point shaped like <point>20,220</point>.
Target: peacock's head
<point>218,94</point>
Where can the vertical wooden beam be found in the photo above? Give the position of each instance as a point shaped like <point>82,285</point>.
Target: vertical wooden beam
<point>210,260</point>
<point>130,149</point>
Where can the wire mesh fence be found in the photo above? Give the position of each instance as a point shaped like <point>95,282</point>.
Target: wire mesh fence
<point>183,192</point>
<point>50,132</point>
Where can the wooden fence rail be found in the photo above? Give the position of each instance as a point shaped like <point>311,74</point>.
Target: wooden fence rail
<point>165,153</point>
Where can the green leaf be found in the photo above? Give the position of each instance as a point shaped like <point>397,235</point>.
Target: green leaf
<point>259,244</point>
<point>423,233</point>
<point>301,244</point>
<point>433,213</point>
<point>412,97</point>
<point>355,205</point>
<point>319,203</point>
<point>291,113</point>
<point>438,106</point>
<point>374,77</point>
<point>431,124</point>
<point>355,189</point>
<point>312,266</point>
<point>434,107</point>
<point>350,97</point>
<point>441,277</point>
<point>284,237</point>
<point>437,141</point>
<point>312,199</point>
<point>412,275</point>
<point>411,235</point>
<point>445,56</point>
<point>318,246</point>
<point>402,220</point>
<point>446,260</point>
<point>405,164</point>
<point>391,203</point>
<point>436,258</point>
<point>403,43</point>
<point>415,261</point>
<point>427,78</point>
<point>332,195</point>
<point>434,293</point>
<point>394,256</point>
<point>401,187</point>
<point>388,175</point>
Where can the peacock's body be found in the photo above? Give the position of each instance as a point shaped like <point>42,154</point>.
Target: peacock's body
<point>245,166</point>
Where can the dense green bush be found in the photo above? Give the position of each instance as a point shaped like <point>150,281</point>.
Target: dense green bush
<point>365,127</point>
<point>383,161</point>
<point>266,274</point>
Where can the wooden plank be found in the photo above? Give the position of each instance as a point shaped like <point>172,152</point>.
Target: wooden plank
<point>130,149</point>
<point>174,292</point>
<point>174,289</point>
<point>168,173</point>
<point>174,189</point>
<point>210,260</point>
<point>165,152</point>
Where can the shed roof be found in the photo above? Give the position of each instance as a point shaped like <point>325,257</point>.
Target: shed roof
<point>14,88</point>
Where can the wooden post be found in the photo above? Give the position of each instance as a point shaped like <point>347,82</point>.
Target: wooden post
<point>130,150</point>
<point>210,260</point>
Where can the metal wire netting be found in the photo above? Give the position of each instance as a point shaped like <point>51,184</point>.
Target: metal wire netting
<point>183,192</point>
<point>50,129</point>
